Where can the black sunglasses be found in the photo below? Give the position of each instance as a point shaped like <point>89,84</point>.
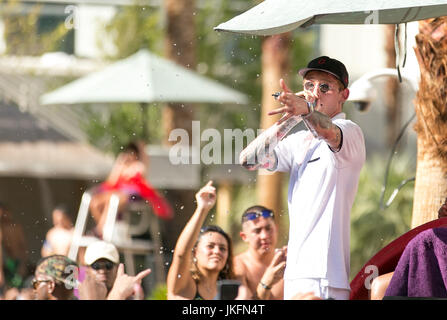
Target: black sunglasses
<point>108,265</point>
<point>252,215</point>
<point>324,87</point>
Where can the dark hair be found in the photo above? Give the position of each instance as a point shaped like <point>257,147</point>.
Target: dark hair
<point>132,147</point>
<point>257,208</point>
<point>227,272</point>
<point>61,207</point>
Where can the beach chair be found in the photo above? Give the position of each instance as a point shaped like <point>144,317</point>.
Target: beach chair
<point>386,259</point>
<point>122,232</point>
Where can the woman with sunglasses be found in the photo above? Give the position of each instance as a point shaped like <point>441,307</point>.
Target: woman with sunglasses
<point>201,256</point>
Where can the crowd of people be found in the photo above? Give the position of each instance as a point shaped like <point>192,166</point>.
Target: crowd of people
<point>324,163</point>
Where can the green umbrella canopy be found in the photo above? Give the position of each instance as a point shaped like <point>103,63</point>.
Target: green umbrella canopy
<point>143,78</point>
<point>278,16</point>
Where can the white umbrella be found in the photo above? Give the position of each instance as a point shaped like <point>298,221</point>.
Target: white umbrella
<point>278,16</point>
<point>143,78</point>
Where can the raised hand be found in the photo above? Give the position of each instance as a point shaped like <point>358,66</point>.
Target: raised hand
<point>90,289</point>
<point>293,104</point>
<point>125,285</point>
<point>206,197</point>
<point>275,271</point>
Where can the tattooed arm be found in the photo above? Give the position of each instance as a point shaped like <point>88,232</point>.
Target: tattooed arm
<point>322,127</point>
<point>260,153</point>
<point>318,123</point>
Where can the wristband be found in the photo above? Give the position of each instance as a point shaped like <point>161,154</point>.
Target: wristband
<point>266,287</point>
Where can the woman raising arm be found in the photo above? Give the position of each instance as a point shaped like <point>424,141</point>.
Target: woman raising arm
<point>201,256</point>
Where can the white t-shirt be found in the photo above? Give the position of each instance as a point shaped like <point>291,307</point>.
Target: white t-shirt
<point>322,189</point>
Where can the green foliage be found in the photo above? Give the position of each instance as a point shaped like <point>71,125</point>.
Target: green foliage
<point>233,60</point>
<point>243,196</point>
<point>160,292</point>
<point>132,28</point>
<point>114,130</point>
<point>373,228</point>
<point>30,34</point>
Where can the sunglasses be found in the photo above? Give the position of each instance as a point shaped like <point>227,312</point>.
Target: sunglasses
<point>324,87</point>
<point>35,283</point>
<point>108,265</point>
<point>252,215</point>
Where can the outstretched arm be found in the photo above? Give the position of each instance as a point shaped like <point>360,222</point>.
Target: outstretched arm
<point>179,279</point>
<point>260,152</point>
<point>318,123</point>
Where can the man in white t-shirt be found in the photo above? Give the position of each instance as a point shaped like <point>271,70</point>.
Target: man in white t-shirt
<point>324,165</point>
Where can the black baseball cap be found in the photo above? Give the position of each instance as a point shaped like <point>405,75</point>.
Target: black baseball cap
<point>329,65</point>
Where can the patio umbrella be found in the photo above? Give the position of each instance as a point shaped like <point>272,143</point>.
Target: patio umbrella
<point>278,16</point>
<point>143,78</point>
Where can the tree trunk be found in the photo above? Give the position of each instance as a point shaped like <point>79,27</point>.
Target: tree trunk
<point>275,63</point>
<point>431,127</point>
<point>393,105</point>
<point>180,47</point>
<point>223,205</point>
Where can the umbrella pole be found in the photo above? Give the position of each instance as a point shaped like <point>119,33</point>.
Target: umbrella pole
<point>144,119</point>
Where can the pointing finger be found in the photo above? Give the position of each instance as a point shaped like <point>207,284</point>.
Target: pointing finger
<point>280,266</point>
<point>277,257</point>
<point>143,274</point>
<point>120,270</point>
<point>283,85</point>
<point>279,110</point>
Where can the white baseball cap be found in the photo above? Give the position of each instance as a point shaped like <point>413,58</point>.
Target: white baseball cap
<point>101,250</point>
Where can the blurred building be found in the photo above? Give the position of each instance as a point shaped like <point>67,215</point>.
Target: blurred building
<point>364,49</point>
<point>45,157</point>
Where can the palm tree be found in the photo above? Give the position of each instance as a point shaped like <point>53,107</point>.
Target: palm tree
<point>392,88</point>
<point>275,64</point>
<point>431,126</point>
<point>180,47</point>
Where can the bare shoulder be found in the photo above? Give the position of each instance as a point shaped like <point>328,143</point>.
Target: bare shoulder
<point>239,264</point>
<point>50,234</point>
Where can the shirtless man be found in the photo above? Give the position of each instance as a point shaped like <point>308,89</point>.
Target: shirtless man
<point>58,238</point>
<point>261,267</point>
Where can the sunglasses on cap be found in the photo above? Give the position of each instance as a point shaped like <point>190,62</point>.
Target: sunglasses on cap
<point>35,283</point>
<point>108,265</point>
<point>252,215</point>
